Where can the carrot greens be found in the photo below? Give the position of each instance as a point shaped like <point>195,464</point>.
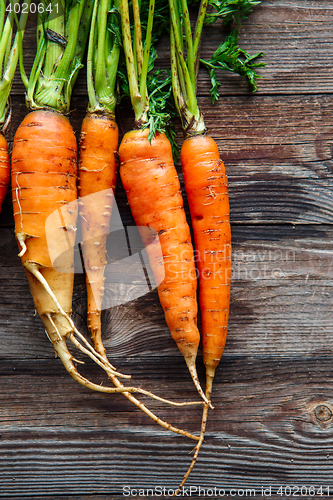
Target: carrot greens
<point>9,52</point>
<point>149,90</point>
<point>229,56</point>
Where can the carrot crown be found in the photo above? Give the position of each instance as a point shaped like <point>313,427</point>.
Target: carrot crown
<point>61,42</point>
<point>149,90</point>
<point>9,51</point>
<point>184,67</point>
<point>103,57</point>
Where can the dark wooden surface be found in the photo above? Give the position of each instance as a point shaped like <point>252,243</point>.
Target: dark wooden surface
<point>273,394</point>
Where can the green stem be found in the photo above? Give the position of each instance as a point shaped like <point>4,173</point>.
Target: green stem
<point>139,101</point>
<point>176,86</point>
<point>183,73</point>
<point>145,64</point>
<point>10,64</point>
<point>102,64</point>
<point>2,15</point>
<point>100,76</point>
<point>90,79</point>
<point>198,29</point>
<point>189,42</point>
<point>35,70</point>
<point>54,51</point>
<point>137,41</point>
<point>5,39</point>
<point>188,88</point>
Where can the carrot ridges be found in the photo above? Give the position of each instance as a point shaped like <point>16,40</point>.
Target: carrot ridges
<point>98,165</point>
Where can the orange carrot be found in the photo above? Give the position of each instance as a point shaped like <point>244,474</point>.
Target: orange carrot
<point>153,192</point>
<point>4,168</point>
<point>44,175</point>
<point>206,186</point>
<point>97,174</point>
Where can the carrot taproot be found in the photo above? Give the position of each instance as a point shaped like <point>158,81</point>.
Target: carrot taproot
<point>4,168</point>
<point>206,187</point>
<point>98,166</point>
<point>153,191</point>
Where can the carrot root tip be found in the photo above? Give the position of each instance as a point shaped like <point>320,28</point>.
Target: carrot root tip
<point>192,369</point>
<point>21,237</point>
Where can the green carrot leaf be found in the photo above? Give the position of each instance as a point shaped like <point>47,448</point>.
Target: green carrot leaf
<point>229,10</point>
<point>161,107</point>
<point>230,57</point>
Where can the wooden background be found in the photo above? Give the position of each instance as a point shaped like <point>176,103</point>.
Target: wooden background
<point>272,423</point>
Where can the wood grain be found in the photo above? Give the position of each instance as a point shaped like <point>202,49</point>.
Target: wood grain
<point>274,432</point>
<point>281,300</point>
<point>272,422</point>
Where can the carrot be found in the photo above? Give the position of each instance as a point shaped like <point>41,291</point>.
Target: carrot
<point>97,174</point>
<point>9,53</point>
<point>205,179</point>
<point>98,167</point>
<point>4,168</point>
<point>153,191</point>
<point>98,163</point>
<point>207,192</point>
<point>43,182</point>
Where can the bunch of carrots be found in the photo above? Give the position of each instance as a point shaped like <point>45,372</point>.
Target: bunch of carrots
<point>54,190</point>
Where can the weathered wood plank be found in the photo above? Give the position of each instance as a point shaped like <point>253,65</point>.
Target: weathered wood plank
<point>77,441</point>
